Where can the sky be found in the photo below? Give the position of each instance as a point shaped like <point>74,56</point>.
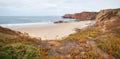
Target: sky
<point>53,7</point>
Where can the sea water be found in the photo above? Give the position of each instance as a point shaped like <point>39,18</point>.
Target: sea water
<point>8,21</point>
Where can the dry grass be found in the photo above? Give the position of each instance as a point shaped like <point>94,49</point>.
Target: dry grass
<point>109,42</point>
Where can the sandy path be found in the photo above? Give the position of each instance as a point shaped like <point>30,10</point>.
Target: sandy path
<point>53,32</point>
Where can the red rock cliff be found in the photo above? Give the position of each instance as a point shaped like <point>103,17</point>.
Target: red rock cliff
<point>82,16</point>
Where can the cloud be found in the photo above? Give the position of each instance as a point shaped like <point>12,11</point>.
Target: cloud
<point>53,7</point>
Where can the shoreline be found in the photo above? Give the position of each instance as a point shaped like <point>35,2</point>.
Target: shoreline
<point>53,32</point>
<point>23,25</point>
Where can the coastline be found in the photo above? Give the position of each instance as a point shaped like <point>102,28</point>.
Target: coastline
<point>23,25</point>
<point>55,31</point>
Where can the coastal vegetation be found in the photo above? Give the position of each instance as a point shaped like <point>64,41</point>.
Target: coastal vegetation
<point>99,41</point>
<point>19,51</point>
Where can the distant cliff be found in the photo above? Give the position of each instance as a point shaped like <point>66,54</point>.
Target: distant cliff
<point>82,16</point>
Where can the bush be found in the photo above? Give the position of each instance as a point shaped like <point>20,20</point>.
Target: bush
<point>19,51</point>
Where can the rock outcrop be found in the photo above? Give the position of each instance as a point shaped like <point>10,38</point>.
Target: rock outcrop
<point>82,16</point>
<point>109,19</point>
<point>56,22</point>
<point>68,16</point>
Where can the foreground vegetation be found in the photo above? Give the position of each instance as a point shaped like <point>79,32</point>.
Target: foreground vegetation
<point>13,46</point>
<point>100,41</point>
<point>19,51</point>
<point>107,41</point>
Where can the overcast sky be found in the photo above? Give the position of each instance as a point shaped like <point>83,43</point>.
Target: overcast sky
<point>53,7</point>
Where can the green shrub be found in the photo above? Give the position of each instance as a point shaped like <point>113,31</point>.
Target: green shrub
<point>19,51</point>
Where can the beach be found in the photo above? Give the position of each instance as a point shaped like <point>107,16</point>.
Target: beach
<point>53,32</point>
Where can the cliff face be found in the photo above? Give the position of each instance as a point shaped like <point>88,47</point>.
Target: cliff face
<point>109,19</point>
<point>82,16</point>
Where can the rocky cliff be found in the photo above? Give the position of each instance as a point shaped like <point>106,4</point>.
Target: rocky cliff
<point>109,19</point>
<point>82,16</point>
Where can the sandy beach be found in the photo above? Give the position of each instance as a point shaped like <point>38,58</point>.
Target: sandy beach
<point>54,32</point>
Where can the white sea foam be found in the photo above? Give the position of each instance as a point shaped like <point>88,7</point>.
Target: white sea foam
<point>27,24</point>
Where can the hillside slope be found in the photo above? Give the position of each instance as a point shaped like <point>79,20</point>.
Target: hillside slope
<point>100,41</point>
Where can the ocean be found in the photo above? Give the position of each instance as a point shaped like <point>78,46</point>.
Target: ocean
<point>7,21</point>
